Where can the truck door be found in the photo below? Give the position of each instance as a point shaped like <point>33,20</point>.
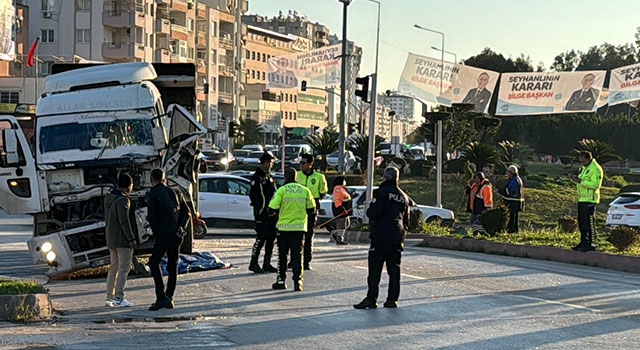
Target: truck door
<point>18,176</point>
<point>180,157</point>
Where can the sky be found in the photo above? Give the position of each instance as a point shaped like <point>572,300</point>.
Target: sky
<point>539,29</point>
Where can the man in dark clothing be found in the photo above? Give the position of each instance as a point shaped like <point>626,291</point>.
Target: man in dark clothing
<point>121,241</point>
<point>262,189</point>
<point>168,215</point>
<point>389,215</point>
<point>317,184</point>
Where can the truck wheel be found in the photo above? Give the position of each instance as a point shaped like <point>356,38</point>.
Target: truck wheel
<point>187,243</point>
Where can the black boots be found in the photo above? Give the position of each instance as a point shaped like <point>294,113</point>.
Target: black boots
<point>267,267</point>
<point>366,304</point>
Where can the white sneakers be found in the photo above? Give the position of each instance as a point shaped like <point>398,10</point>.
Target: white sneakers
<point>117,302</point>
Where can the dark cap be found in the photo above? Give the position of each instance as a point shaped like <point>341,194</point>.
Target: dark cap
<point>480,175</point>
<point>267,157</point>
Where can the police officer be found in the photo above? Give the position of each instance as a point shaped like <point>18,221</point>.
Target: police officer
<point>293,203</point>
<point>389,215</point>
<point>262,189</point>
<point>317,184</point>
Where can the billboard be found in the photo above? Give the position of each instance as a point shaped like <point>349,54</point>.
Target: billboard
<point>624,85</point>
<point>319,67</point>
<point>550,93</point>
<point>7,21</point>
<point>427,80</point>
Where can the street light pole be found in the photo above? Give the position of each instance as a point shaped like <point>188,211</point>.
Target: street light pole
<point>372,120</point>
<point>343,88</point>
<point>438,124</point>
<point>455,57</point>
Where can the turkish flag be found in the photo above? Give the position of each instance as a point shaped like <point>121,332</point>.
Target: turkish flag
<point>31,58</point>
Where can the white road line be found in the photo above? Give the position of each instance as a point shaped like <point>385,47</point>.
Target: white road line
<point>403,274</point>
<point>556,303</point>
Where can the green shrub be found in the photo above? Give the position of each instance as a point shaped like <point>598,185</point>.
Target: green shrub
<point>615,181</point>
<point>20,287</point>
<point>622,238</point>
<point>436,229</point>
<point>567,224</point>
<point>416,220</point>
<point>494,220</point>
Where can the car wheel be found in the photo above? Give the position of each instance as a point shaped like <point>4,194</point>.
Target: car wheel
<point>433,219</point>
<point>200,231</point>
<point>356,222</point>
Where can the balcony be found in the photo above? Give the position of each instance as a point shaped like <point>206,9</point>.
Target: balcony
<point>201,65</point>
<point>179,32</point>
<point>225,97</point>
<point>201,13</point>
<point>179,5</point>
<point>162,56</point>
<point>122,50</point>
<point>163,27</point>
<point>226,42</point>
<point>226,71</point>
<point>201,39</point>
<point>117,18</point>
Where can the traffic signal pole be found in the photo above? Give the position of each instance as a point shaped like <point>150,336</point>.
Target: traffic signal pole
<point>372,144</point>
<point>343,89</point>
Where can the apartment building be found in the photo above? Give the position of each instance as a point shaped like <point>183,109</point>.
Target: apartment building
<point>277,108</point>
<point>294,24</point>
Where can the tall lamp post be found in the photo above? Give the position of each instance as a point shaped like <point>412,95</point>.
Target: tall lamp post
<point>343,88</point>
<point>372,118</point>
<point>455,57</point>
<point>438,123</point>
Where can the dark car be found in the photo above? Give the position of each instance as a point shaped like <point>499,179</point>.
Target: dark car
<point>217,160</point>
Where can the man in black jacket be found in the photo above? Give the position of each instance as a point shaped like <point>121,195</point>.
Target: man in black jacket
<point>168,216</point>
<point>262,189</point>
<point>389,215</point>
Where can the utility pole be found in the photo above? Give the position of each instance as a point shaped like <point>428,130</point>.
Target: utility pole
<point>238,71</point>
<point>343,88</point>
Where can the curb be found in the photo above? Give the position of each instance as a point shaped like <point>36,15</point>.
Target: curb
<point>623,263</point>
<point>25,307</point>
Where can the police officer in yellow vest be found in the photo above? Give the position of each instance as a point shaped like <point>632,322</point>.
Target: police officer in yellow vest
<point>589,181</point>
<point>317,183</point>
<point>293,203</point>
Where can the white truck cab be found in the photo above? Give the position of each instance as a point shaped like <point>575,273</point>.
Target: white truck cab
<point>91,125</point>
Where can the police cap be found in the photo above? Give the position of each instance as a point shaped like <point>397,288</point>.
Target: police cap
<point>267,156</point>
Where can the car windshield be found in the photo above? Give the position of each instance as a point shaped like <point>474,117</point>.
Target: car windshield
<point>626,199</point>
<point>213,155</point>
<point>256,154</point>
<point>291,149</point>
<point>241,153</point>
<point>90,136</point>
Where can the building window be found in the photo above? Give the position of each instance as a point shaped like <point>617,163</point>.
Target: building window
<point>45,67</point>
<point>263,76</point>
<point>182,48</point>
<point>295,116</point>
<point>253,55</point>
<point>248,54</point>
<point>9,97</point>
<point>191,53</point>
<point>295,98</point>
<point>214,28</point>
<point>214,84</point>
<point>47,5</point>
<point>264,58</point>
<point>83,35</point>
<point>46,36</point>
<point>286,97</point>
<point>286,115</point>
<point>83,5</point>
<point>214,56</point>
<point>253,74</point>
<point>190,24</point>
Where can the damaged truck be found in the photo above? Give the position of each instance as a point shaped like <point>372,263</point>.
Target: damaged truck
<point>93,123</point>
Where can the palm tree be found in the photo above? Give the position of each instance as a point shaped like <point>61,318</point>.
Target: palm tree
<point>512,152</point>
<point>250,130</point>
<point>359,145</point>
<point>601,151</point>
<point>323,144</point>
<point>480,154</point>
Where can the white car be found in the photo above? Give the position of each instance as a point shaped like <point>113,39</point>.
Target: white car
<point>624,211</point>
<point>224,198</point>
<point>253,157</point>
<point>349,160</point>
<point>241,154</point>
<point>429,213</point>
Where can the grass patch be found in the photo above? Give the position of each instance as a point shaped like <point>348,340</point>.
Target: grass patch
<point>8,287</point>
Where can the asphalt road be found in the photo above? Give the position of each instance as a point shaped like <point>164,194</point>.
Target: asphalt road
<point>449,300</point>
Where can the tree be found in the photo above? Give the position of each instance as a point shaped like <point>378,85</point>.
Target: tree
<point>359,145</point>
<point>601,151</point>
<point>512,152</point>
<point>421,134</point>
<point>480,154</point>
<point>488,59</point>
<point>323,144</point>
<point>250,129</point>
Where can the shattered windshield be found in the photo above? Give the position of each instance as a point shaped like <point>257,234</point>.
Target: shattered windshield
<point>99,135</point>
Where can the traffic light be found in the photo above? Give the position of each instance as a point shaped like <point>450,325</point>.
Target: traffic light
<point>303,87</point>
<point>232,129</point>
<point>362,88</point>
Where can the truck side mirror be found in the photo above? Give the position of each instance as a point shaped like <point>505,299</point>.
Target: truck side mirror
<point>10,142</point>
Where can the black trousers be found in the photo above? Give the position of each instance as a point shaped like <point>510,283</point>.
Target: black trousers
<point>378,257</point>
<point>290,241</point>
<point>586,222</point>
<point>308,238</point>
<point>168,244</point>
<point>265,236</point>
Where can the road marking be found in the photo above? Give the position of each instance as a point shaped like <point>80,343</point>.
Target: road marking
<point>556,303</point>
<point>402,274</point>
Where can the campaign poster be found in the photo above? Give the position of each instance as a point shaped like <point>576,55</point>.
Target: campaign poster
<point>319,68</point>
<point>7,20</point>
<point>550,93</point>
<point>426,79</point>
<point>624,85</point>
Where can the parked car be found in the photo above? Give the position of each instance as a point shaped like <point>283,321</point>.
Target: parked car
<point>349,160</point>
<point>293,154</point>
<point>429,213</point>
<point>277,177</point>
<point>253,157</point>
<point>224,199</point>
<point>253,148</point>
<point>240,155</point>
<point>624,211</point>
<point>217,160</point>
